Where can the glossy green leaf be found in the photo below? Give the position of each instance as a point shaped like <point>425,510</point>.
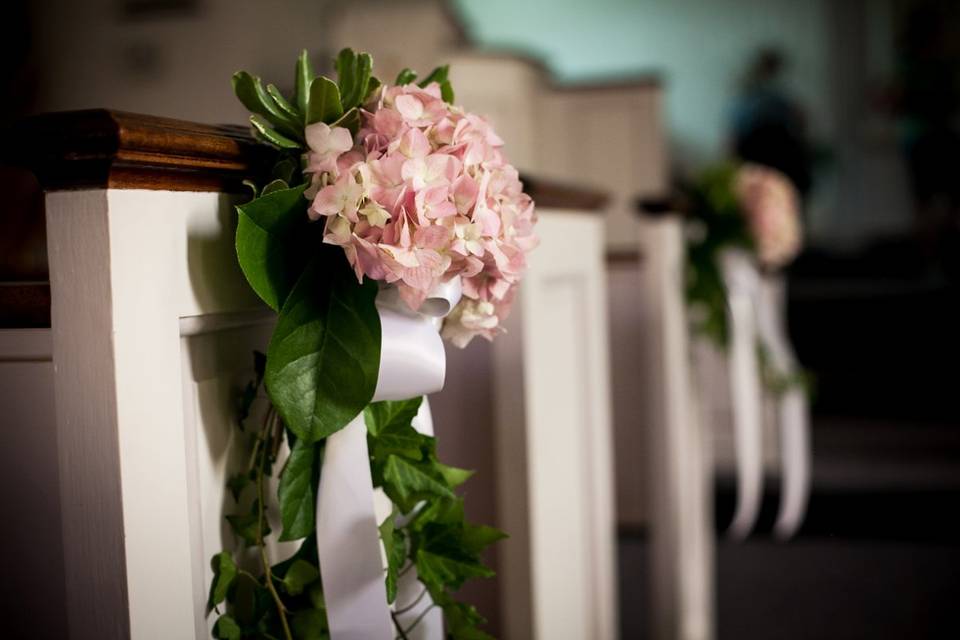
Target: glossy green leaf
<point>299,576</point>
<point>363,65</point>
<point>267,256</point>
<point>346,66</point>
<point>325,104</point>
<point>226,628</point>
<point>443,562</point>
<point>249,89</point>
<point>476,538</point>
<point>446,92</point>
<point>372,88</point>
<point>283,104</point>
<point>304,76</point>
<point>270,135</point>
<point>297,492</point>
<point>438,75</point>
<point>224,572</point>
<point>324,356</point>
<point>408,482</point>
<point>405,77</point>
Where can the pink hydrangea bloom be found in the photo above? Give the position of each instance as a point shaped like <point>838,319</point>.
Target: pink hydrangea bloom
<point>423,194</point>
<point>771,206</point>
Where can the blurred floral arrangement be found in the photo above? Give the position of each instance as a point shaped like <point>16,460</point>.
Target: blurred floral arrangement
<point>372,186</point>
<point>744,206</point>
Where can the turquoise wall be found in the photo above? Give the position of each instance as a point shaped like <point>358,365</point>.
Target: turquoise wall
<point>697,47</point>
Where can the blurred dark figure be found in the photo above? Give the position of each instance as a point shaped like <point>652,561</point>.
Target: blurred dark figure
<point>927,103</point>
<point>768,126</point>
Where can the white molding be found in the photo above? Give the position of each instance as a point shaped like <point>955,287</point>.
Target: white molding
<point>554,458</point>
<point>132,270</point>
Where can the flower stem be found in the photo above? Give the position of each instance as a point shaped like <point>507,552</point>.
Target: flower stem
<point>267,573</point>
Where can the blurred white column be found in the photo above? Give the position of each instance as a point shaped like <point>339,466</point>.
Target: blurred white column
<point>553,442</point>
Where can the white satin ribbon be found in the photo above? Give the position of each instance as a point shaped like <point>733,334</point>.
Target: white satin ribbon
<point>793,410</point>
<point>757,316</point>
<point>412,363</point>
<point>742,281</point>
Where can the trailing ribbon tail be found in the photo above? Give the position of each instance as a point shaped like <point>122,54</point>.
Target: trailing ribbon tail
<point>793,410</point>
<point>412,363</point>
<point>742,280</point>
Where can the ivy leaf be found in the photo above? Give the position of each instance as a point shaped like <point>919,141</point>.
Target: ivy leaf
<point>304,76</point>
<point>245,526</point>
<point>310,624</point>
<point>226,628</point>
<point>462,621</point>
<point>406,77</point>
<point>323,359</point>
<point>408,482</point>
<point>297,492</point>
<point>395,547</point>
<point>398,439</point>
<point>315,594</point>
<point>443,562</point>
<point>453,476</point>
<point>237,483</point>
<point>300,575</point>
<point>476,538</point>
<point>325,104</point>
<point>224,572</point>
<point>267,257</point>
<point>390,413</point>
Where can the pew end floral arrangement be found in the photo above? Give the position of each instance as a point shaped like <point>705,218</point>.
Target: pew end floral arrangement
<point>746,206</point>
<point>372,185</point>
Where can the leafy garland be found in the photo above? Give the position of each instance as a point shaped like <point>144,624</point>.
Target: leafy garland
<point>319,372</point>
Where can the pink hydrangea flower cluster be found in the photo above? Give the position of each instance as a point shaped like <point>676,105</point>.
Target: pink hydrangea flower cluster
<point>421,195</point>
<point>771,206</point>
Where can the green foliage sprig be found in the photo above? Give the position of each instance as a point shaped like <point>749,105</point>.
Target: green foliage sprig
<point>319,372</point>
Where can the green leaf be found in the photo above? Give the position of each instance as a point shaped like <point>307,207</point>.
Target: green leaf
<point>255,98</point>
<point>395,547</point>
<point>408,482</point>
<point>390,413</point>
<point>300,575</point>
<point>446,92</point>
<point>224,572</point>
<point>453,476</point>
<point>406,77</point>
<point>372,87</point>
<point>324,356</point>
<point>274,185</point>
<point>325,104</point>
<point>226,628</point>
<point>476,538</point>
<point>282,103</point>
<point>297,492</point>
<point>438,75</point>
<point>237,483</point>
<point>462,621</point>
<point>304,76</point>
<point>442,560</point>
<point>309,624</point>
<point>245,527</point>
<point>315,594</point>
<point>270,135</point>
<point>363,65</point>
<point>346,66</point>
<point>349,120</point>
<point>264,249</point>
